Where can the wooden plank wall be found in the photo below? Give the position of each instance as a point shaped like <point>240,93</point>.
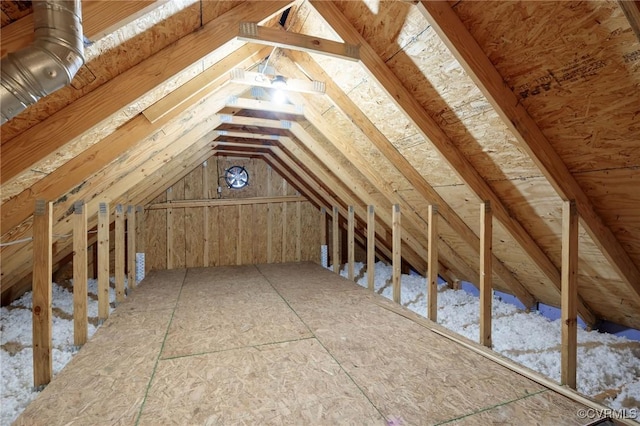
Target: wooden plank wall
<point>235,234</point>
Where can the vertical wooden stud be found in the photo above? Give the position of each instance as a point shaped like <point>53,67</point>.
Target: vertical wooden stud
<point>351,243</point>
<point>205,214</point>
<point>432,265</point>
<point>298,231</point>
<point>239,236</point>
<point>335,243</point>
<point>169,230</point>
<point>41,311</point>
<point>371,248</point>
<point>141,242</point>
<point>269,216</point>
<point>103,261</point>
<point>80,331</point>
<point>486,237</point>
<point>131,247</point>
<point>323,226</point>
<point>397,255</point>
<point>285,225</point>
<point>324,253</point>
<point>94,258</point>
<point>569,290</point>
<point>119,254</point>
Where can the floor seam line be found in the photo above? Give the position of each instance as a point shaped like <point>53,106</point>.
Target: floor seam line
<point>164,340</point>
<point>237,348</point>
<point>321,344</point>
<point>500,404</point>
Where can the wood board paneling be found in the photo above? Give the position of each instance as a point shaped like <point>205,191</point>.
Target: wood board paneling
<point>238,234</point>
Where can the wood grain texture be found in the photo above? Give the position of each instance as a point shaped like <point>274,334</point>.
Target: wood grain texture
<point>80,275</point>
<point>430,129</point>
<point>432,263</point>
<point>295,41</point>
<point>131,247</point>
<point>351,244</point>
<point>98,19</point>
<point>41,309</point>
<point>335,239</point>
<point>514,114</point>
<point>68,123</point>
<point>104,221</point>
<point>569,343</point>
<point>486,287</point>
<point>399,163</point>
<point>371,247</point>
<point>119,253</point>
<point>397,253</point>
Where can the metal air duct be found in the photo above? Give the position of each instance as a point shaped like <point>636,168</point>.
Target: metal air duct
<point>49,63</point>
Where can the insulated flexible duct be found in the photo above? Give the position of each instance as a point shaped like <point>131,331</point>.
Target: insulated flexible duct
<point>49,63</point>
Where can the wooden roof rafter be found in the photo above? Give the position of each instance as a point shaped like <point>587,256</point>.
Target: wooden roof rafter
<point>426,126</point>
<point>343,176</point>
<point>317,172</point>
<point>478,66</point>
<point>80,116</point>
<point>304,187</point>
<point>372,177</point>
<point>631,9</point>
<point>383,247</point>
<point>343,201</point>
<point>252,32</point>
<point>165,111</point>
<point>342,101</point>
<point>18,259</point>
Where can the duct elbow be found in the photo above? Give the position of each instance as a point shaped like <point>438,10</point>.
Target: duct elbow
<point>49,63</point>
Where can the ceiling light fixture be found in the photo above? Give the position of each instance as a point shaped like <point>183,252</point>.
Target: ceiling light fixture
<point>279,82</point>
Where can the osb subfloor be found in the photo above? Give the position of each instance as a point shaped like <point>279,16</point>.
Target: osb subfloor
<point>280,344</point>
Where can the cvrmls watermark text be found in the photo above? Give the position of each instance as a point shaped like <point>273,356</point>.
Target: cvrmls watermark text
<point>598,413</point>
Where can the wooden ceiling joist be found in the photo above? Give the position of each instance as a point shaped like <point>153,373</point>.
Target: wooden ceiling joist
<point>252,32</point>
<point>230,146</point>
<point>382,246</point>
<point>258,79</point>
<point>226,202</point>
<point>203,84</point>
<point>255,143</point>
<point>316,119</point>
<point>111,183</point>
<point>237,102</point>
<point>396,91</point>
<point>77,118</point>
<point>167,176</point>
<point>342,101</point>
<point>478,66</point>
<point>385,243</point>
<point>55,184</point>
<point>343,176</point>
<point>99,18</point>
<point>631,9</point>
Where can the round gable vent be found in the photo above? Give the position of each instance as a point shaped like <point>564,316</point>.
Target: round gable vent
<point>236,177</point>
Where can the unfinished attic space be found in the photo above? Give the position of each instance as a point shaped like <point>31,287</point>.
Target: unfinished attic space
<point>320,212</point>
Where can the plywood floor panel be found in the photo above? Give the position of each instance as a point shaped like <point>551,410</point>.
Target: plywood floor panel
<point>279,344</point>
<point>288,383</point>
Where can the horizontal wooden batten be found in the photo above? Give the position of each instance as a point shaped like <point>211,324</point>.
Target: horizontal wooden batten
<point>226,202</point>
<point>428,128</point>
<point>201,85</point>
<point>252,32</point>
<point>250,78</point>
<point>80,168</point>
<point>72,121</point>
